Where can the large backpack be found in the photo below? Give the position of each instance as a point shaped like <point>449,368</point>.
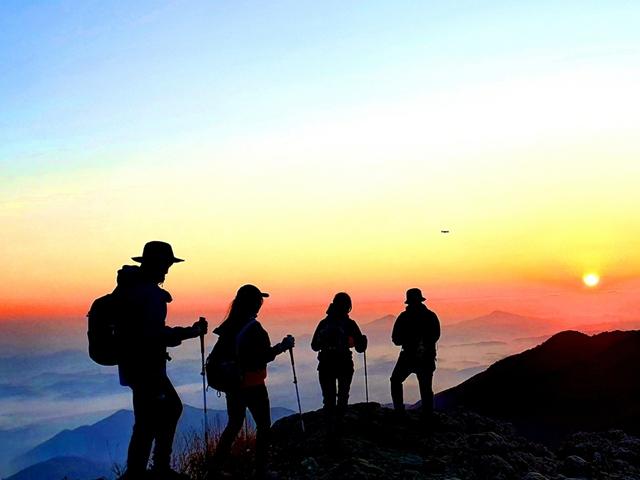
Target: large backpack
<point>223,369</point>
<point>103,332</point>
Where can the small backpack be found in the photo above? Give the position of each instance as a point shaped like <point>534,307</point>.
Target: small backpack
<point>104,341</point>
<point>336,338</point>
<point>223,369</point>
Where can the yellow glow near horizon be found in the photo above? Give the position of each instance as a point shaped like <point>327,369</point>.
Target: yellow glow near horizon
<point>591,279</point>
<point>353,199</point>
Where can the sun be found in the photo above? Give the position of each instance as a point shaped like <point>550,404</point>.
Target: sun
<point>591,279</point>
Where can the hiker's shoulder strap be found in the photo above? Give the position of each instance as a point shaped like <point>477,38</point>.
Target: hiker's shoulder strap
<point>244,330</point>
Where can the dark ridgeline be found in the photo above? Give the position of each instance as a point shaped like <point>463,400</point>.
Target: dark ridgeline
<point>572,382</point>
<point>333,339</point>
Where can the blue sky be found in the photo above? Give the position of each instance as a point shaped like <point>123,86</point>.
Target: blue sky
<point>291,141</point>
<point>80,78</point>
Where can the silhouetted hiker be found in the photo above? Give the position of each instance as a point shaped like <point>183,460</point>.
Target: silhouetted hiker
<point>143,360</point>
<point>417,330</point>
<point>333,339</point>
<point>253,351</point>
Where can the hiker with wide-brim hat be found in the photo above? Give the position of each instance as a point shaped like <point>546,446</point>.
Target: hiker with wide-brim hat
<point>333,338</point>
<point>252,351</point>
<point>143,358</point>
<point>417,331</point>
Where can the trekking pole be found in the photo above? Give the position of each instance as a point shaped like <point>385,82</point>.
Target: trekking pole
<point>366,377</point>
<point>295,382</point>
<point>204,392</point>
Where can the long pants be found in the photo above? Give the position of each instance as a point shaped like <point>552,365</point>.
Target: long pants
<point>156,409</point>
<point>335,398</point>
<point>256,399</point>
<point>405,366</point>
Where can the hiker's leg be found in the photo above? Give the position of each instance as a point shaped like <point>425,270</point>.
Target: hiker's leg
<point>344,385</point>
<point>400,373</point>
<point>328,385</point>
<point>169,409</point>
<point>258,403</point>
<point>143,430</point>
<point>236,407</point>
<point>425,382</point>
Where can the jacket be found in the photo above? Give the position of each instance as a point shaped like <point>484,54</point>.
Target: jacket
<point>254,349</point>
<point>417,331</point>
<point>333,339</point>
<point>142,330</point>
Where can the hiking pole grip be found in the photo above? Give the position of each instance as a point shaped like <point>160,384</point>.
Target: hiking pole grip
<point>295,382</point>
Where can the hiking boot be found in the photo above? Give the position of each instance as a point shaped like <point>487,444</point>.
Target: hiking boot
<point>167,474</point>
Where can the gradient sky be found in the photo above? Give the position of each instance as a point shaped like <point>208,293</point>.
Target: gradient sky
<point>312,147</point>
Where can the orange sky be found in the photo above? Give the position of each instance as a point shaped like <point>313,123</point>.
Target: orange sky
<point>308,161</point>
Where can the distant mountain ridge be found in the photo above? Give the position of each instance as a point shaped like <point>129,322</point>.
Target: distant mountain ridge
<point>59,468</point>
<point>497,326</point>
<point>106,441</point>
<point>571,382</point>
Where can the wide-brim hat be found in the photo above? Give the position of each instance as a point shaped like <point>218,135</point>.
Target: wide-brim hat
<point>157,252</point>
<point>414,295</point>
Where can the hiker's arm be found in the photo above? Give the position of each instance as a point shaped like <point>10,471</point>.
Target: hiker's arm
<point>436,328</point>
<point>359,340</point>
<point>287,343</point>
<point>317,340</point>
<point>397,336</point>
<point>264,352</point>
<point>175,335</point>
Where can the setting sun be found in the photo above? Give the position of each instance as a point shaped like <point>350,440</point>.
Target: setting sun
<point>591,279</point>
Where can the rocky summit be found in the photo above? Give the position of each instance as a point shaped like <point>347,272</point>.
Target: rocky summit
<point>572,382</point>
<point>378,444</point>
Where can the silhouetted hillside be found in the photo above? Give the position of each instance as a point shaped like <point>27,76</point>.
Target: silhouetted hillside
<point>106,441</point>
<point>458,445</point>
<point>72,468</point>
<point>572,382</point>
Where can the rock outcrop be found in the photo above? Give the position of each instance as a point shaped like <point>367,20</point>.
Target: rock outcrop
<point>377,444</point>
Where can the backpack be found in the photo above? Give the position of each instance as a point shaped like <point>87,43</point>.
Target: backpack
<point>222,368</point>
<point>104,341</point>
<point>335,337</point>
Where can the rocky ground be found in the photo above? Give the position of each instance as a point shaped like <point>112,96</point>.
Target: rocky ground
<point>459,445</point>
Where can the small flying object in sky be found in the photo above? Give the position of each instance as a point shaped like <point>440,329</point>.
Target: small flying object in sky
<point>444,231</point>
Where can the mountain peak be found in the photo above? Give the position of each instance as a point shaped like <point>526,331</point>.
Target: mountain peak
<point>570,382</point>
<point>502,313</point>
